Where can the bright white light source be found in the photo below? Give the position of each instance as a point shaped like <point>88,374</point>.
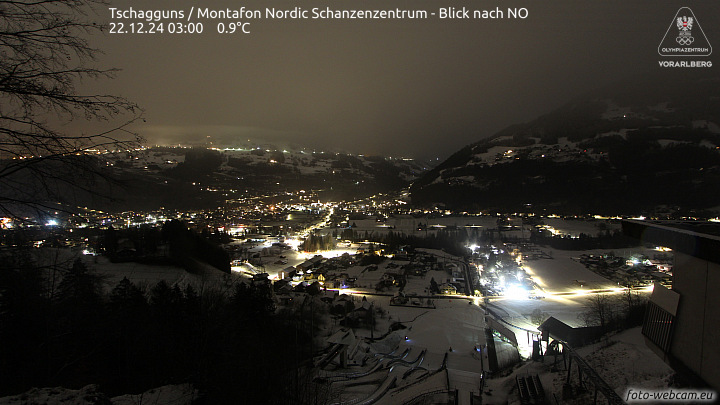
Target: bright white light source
<point>52,222</point>
<point>516,292</point>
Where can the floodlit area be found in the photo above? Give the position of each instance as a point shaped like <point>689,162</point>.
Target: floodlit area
<point>432,311</point>
<point>563,274</point>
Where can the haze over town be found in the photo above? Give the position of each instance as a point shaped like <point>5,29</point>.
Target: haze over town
<point>341,210</point>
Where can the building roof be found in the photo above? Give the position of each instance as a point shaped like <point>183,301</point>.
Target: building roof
<point>696,238</point>
<point>343,337</point>
<point>558,329</point>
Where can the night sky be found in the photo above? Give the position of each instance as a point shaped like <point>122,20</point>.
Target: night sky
<point>419,88</point>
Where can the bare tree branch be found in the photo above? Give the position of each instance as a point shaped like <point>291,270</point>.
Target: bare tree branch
<point>44,52</point>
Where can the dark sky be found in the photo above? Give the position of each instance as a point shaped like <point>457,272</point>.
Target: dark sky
<point>420,88</point>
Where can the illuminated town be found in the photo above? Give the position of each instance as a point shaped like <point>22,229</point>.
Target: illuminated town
<point>374,265</point>
<point>390,203</point>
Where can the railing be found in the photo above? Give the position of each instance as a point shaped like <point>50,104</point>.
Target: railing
<point>597,381</point>
<point>420,357</point>
<point>349,376</point>
<point>443,366</point>
<point>530,389</point>
<point>327,358</point>
<point>421,396</point>
<point>382,390</point>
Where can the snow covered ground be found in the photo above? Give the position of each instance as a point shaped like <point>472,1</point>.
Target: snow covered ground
<point>623,362</point>
<point>567,284</point>
<point>455,328</point>
<point>182,394</point>
<point>149,275</point>
<point>143,275</point>
<point>455,324</point>
<point>564,274</point>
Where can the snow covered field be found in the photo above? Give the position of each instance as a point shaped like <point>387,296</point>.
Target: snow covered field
<point>182,394</point>
<point>455,327</point>
<point>625,361</point>
<point>563,274</point>
<point>453,324</point>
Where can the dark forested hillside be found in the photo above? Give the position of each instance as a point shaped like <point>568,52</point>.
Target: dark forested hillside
<point>643,145</point>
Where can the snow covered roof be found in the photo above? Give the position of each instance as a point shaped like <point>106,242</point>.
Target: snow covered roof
<point>343,337</point>
<point>365,306</point>
<point>556,328</point>
<point>575,336</point>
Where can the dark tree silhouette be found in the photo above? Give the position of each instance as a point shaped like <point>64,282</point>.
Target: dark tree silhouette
<point>434,288</point>
<point>600,310</point>
<point>23,317</point>
<point>44,52</point>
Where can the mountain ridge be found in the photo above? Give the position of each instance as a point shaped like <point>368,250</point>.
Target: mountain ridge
<point>647,144</point>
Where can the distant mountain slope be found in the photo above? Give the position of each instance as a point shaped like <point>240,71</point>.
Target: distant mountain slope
<point>198,177</point>
<point>650,144</point>
<point>235,173</point>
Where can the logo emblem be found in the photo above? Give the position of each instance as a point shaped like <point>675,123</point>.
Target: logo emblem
<point>679,39</point>
<point>684,25</point>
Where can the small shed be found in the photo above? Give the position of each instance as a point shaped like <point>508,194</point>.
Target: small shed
<point>576,337</point>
